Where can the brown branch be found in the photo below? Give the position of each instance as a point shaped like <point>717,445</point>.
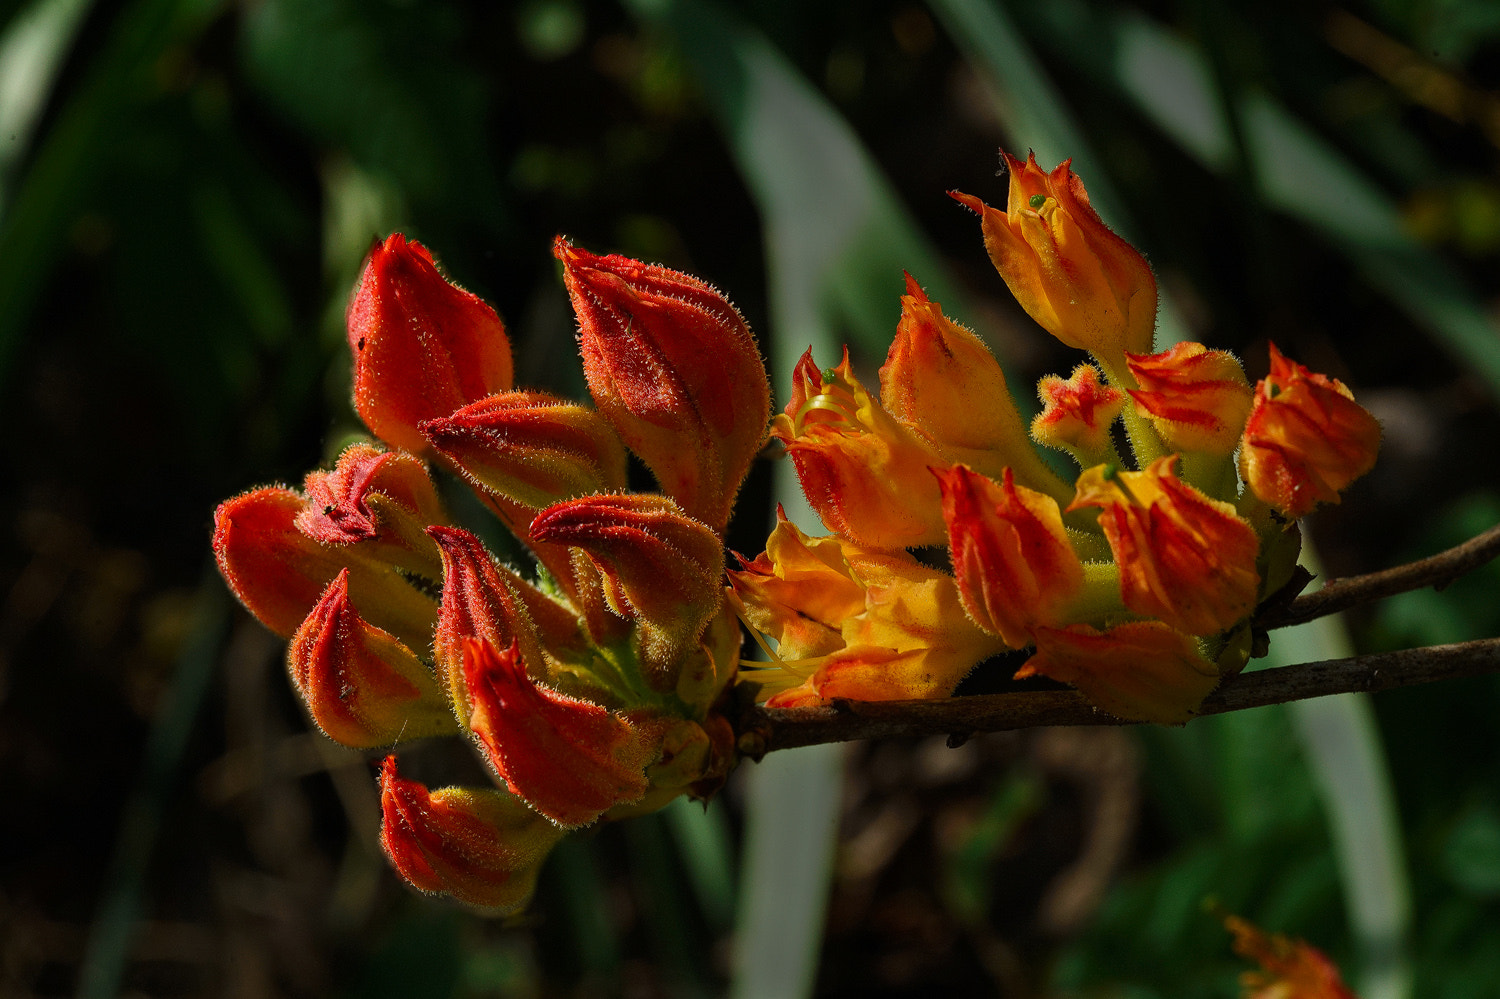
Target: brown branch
<point>1341,594</point>
<point>762,730</point>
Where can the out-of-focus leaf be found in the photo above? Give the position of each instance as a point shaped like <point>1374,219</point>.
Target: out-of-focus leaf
<point>31,53</point>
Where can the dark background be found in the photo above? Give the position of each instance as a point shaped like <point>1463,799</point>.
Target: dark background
<point>183,210</point>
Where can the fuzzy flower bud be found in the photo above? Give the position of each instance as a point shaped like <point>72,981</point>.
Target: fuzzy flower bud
<point>673,367</point>
<point>1077,279</point>
<point>1306,439</point>
<point>1077,413</point>
<point>422,346</point>
<point>1198,398</point>
<point>483,847</point>
<point>1138,671</point>
<point>1184,558</point>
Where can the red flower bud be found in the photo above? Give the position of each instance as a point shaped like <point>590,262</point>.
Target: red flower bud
<point>1306,438</point>
<point>570,759</point>
<point>1138,671</point>
<point>659,566</point>
<point>1184,558</point>
<point>1290,969</point>
<point>362,686</point>
<point>482,600</point>
<point>279,573</point>
<point>383,500</point>
<point>1011,556</point>
<point>674,368</point>
<point>530,447</point>
<point>422,346</point>
<point>483,847</point>
<point>1198,398</point>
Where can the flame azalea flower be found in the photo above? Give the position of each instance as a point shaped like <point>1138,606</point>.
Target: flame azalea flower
<point>942,381</point>
<point>865,473</point>
<point>362,687</point>
<point>1077,413</point>
<point>1306,439</point>
<point>673,367</point>
<point>1198,398</point>
<point>1077,279</point>
<point>854,621</point>
<point>1184,558</point>
<point>1014,566</point>
<point>1291,969</point>
<point>422,346</point>
<point>483,847</point>
<point>1137,671</point>
<point>591,690</point>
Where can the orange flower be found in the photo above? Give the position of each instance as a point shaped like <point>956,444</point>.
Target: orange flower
<point>1198,398</point>
<point>1077,413</point>
<point>672,365</point>
<point>570,759</point>
<point>942,381</point>
<point>1306,439</point>
<point>483,847</point>
<point>854,621</point>
<point>1077,279</point>
<point>1184,558</point>
<point>1138,671</point>
<point>864,473</point>
<point>531,448</point>
<point>1292,969</point>
<point>422,346</point>
<point>1011,556</point>
<point>362,686</point>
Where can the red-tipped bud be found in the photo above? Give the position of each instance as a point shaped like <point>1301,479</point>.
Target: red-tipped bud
<point>483,601</point>
<point>674,368</point>
<point>362,686</point>
<point>530,447</point>
<point>483,847</point>
<point>864,473</point>
<point>1077,413</point>
<point>1077,279</point>
<point>1184,558</point>
<point>1138,671</point>
<point>942,380</point>
<point>1011,556</point>
<point>570,759</point>
<point>1306,438</point>
<point>422,346</point>
<point>279,573</point>
<point>1197,398</point>
<point>660,567</point>
<point>383,500</point>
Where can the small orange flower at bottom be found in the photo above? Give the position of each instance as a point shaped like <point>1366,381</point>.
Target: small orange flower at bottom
<point>1138,671</point>
<point>483,847</point>
<point>1293,969</point>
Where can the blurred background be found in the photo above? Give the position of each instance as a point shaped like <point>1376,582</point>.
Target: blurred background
<point>187,188</point>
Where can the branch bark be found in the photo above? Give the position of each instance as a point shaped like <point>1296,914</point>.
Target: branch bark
<point>1341,594</point>
<point>762,730</point>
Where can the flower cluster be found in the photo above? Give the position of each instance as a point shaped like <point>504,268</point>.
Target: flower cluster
<point>589,690</point>
<point>1135,582</point>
